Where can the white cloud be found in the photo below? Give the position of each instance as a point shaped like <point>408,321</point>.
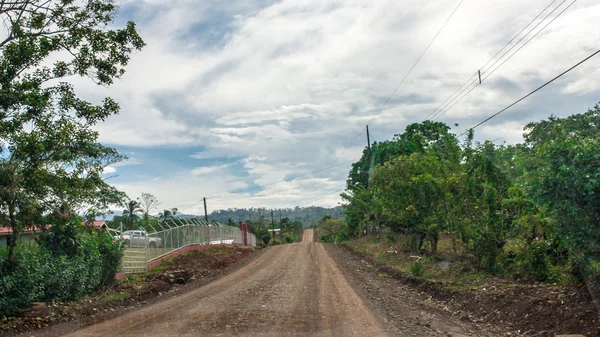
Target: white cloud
<point>287,86</point>
<point>109,169</point>
<point>204,170</point>
<point>128,162</point>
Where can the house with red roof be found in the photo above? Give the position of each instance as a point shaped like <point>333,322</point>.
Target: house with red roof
<point>29,234</point>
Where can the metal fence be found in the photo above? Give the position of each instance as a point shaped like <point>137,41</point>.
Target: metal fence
<point>142,247</point>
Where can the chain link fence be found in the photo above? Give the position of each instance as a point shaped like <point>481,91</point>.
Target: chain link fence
<point>143,247</point>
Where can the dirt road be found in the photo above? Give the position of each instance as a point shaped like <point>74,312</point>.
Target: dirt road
<point>291,290</point>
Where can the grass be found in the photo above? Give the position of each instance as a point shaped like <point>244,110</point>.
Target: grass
<point>453,268</point>
<point>215,251</point>
<point>164,265</point>
<point>114,297</point>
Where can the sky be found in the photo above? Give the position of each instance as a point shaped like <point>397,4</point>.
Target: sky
<point>232,95</point>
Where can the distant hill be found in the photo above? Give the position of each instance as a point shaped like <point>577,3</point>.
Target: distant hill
<point>305,215</point>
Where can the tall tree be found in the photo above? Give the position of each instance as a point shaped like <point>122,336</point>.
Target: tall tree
<point>148,202</point>
<point>50,161</point>
<point>131,213</point>
<point>566,179</point>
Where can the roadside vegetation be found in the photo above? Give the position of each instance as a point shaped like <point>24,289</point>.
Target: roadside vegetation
<point>526,212</point>
<point>175,274</point>
<point>51,165</point>
<point>289,231</point>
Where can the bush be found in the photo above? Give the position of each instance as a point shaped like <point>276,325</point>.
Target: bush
<point>390,236</point>
<point>537,262</point>
<point>24,284</point>
<point>274,242</point>
<point>39,275</point>
<point>326,239</point>
<point>417,269</point>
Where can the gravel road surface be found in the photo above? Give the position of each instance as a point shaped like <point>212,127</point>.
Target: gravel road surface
<point>291,290</point>
<point>300,289</point>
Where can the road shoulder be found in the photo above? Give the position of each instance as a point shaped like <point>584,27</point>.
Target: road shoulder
<point>403,310</point>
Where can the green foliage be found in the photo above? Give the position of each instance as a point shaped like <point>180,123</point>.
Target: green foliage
<point>114,298</point>
<point>40,275</point>
<point>274,242</point>
<point>305,216</point>
<point>542,195</point>
<point>390,237</point>
<point>291,237</point>
<point>25,283</point>
<point>537,263</point>
<point>50,160</point>
<point>417,269</point>
<point>331,230</point>
<point>567,178</point>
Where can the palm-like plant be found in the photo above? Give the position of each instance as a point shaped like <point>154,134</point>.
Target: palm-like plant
<point>131,213</point>
<point>167,214</point>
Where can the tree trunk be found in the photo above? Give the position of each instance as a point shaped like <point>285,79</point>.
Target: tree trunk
<point>434,242</point>
<point>421,240</point>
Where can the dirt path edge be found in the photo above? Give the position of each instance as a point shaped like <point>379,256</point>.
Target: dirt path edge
<point>530,310</point>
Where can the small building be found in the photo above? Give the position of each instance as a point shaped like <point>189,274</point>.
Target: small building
<point>275,231</point>
<point>28,236</point>
<point>99,225</point>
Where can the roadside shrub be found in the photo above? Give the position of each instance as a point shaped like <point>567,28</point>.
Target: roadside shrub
<point>579,267</point>
<point>39,275</point>
<point>24,284</point>
<point>417,269</point>
<point>326,239</point>
<point>413,242</point>
<point>291,238</point>
<point>111,254</point>
<point>536,262</point>
<point>390,237</point>
<point>274,242</point>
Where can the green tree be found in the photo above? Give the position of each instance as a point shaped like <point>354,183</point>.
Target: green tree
<point>412,193</point>
<point>50,161</point>
<point>131,214</point>
<point>567,178</point>
<point>485,224</point>
<point>167,214</point>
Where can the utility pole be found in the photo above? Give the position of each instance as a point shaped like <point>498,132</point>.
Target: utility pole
<point>272,224</point>
<point>368,142</point>
<point>369,152</point>
<point>205,212</point>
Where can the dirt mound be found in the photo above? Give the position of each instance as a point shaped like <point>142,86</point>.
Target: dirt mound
<point>537,310</point>
<point>194,265</point>
<point>195,268</point>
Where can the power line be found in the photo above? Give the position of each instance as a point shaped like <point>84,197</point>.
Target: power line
<point>452,100</point>
<point>522,30</point>
<point>377,113</point>
<point>511,55</point>
<point>322,196</point>
<point>403,79</point>
<point>536,34</point>
<point>533,92</point>
<point>524,36</point>
<point>454,93</point>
